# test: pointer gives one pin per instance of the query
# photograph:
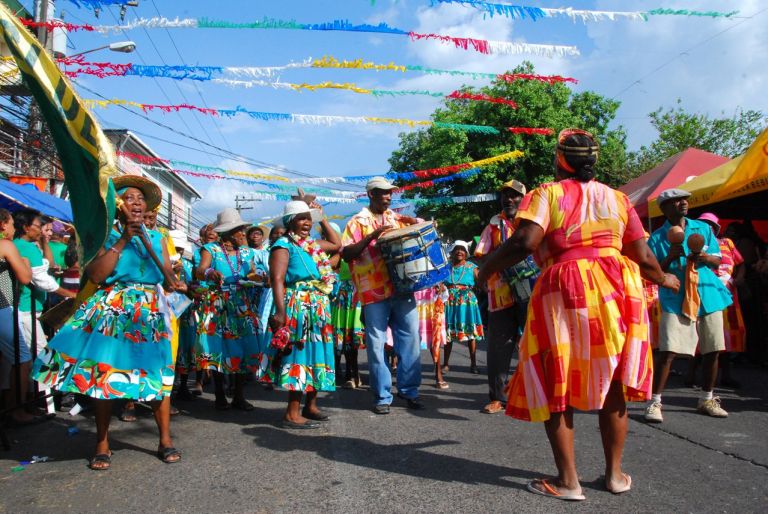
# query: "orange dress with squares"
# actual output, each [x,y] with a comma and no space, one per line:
[587,318]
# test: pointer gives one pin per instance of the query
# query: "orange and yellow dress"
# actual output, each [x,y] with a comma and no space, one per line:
[587,318]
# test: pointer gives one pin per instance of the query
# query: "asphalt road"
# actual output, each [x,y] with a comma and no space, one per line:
[448,458]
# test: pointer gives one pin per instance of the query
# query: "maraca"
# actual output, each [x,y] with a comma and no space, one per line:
[675,235]
[695,243]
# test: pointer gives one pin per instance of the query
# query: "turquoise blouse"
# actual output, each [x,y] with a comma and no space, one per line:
[301,267]
[232,267]
[135,266]
[463,275]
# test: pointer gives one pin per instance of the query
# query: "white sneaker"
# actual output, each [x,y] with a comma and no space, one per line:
[653,413]
[712,408]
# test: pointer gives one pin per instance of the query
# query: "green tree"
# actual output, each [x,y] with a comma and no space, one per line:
[539,105]
[679,130]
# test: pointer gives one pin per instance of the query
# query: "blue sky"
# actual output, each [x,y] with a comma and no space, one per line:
[716,68]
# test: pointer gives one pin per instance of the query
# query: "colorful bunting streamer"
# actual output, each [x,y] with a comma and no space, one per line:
[205,73]
[309,119]
[479,45]
[435,172]
[537,13]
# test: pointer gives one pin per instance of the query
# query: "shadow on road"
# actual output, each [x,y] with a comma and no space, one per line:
[411,459]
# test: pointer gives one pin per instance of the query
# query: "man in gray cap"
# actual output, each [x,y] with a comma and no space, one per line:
[381,308]
[693,315]
[506,318]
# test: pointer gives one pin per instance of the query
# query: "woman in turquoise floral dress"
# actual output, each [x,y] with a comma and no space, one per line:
[117,345]
[302,278]
[462,314]
[226,341]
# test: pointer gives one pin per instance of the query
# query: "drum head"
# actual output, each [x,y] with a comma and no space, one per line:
[405,231]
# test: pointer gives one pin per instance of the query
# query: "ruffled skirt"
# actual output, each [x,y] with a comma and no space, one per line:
[462,314]
[346,310]
[587,326]
[311,368]
[226,333]
[117,345]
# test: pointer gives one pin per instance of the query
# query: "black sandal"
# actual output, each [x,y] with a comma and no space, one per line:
[241,405]
[100,461]
[221,404]
[166,455]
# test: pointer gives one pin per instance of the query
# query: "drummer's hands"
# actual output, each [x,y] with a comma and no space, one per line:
[379,231]
[409,220]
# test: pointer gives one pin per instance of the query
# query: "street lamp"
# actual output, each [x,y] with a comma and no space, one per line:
[125,47]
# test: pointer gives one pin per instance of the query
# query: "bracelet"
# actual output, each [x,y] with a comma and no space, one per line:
[209,270]
[113,249]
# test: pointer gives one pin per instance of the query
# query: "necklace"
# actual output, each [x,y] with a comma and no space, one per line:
[235,272]
[463,269]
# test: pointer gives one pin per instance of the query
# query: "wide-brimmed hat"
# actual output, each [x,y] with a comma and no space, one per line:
[228,220]
[379,183]
[296,207]
[514,185]
[460,244]
[180,240]
[152,194]
[712,219]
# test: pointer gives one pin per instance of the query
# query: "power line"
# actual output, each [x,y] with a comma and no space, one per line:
[197,87]
[232,155]
[685,52]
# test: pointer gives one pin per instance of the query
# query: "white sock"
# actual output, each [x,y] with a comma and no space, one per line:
[706,395]
[656,398]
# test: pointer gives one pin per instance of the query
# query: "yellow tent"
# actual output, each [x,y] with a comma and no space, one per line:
[751,175]
[703,187]
[743,176]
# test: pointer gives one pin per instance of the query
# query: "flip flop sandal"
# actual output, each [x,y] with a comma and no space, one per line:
[623,489]
[493,408]
[128,415]
[167,455]
[100,461]
[442,385]
[548,490]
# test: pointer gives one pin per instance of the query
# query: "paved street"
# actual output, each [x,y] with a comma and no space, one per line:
[449,458]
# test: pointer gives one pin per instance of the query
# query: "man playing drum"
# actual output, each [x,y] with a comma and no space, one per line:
[381,308]
[506,318]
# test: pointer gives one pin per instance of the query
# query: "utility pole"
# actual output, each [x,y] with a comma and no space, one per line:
[242,200]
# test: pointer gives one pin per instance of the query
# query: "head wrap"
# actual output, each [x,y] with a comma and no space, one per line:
[562,150]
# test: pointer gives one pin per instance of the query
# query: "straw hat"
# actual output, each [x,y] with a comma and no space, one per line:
[152,194]
[228,220]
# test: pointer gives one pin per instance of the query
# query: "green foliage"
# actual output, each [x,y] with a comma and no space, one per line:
[539,105]
[679,130]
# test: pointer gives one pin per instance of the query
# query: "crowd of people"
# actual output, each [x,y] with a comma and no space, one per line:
[566,272]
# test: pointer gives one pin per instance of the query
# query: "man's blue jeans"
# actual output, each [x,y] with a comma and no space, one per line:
[401,315]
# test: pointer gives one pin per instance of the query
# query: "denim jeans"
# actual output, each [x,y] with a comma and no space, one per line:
[401,315]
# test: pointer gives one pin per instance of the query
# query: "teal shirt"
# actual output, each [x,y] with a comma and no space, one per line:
[232,267]
[58,249]
[135,266]
[463,275]
[34,255]
[714,296]
[301,267]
